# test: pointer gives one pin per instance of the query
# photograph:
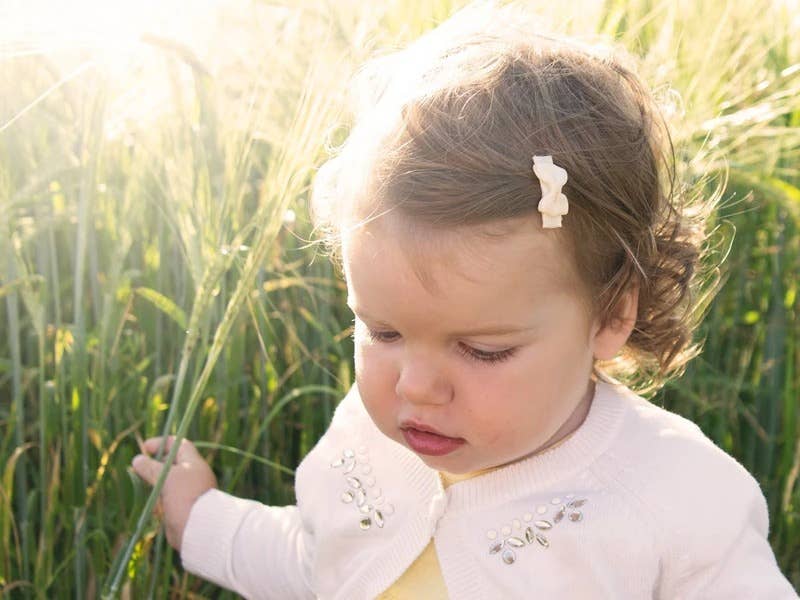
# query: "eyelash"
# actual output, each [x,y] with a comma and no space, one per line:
[472,353]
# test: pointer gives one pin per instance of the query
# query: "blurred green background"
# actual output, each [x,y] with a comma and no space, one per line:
[155,165]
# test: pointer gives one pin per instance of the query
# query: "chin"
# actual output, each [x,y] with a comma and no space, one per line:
[448,464]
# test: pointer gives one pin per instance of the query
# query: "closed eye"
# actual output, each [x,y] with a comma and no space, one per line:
[382,336]
[468,351]
[483,356]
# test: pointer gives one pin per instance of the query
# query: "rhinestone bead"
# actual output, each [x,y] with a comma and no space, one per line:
[354,482]
[508,544]
[337,463]
[349,453]
[379,518]
[365,523]
[348,468]
[347,497]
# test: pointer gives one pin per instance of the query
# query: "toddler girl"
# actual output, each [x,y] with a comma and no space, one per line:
[512,241]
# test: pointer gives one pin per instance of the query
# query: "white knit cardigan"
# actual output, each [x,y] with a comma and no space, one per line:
[637,503]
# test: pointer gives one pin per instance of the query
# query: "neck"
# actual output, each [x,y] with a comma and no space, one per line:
[573,422]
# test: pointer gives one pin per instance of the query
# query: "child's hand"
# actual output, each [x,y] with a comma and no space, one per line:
[188,479]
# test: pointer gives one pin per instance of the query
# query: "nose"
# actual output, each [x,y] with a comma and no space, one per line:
[421,382]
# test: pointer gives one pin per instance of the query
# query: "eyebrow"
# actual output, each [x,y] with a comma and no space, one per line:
[488,330]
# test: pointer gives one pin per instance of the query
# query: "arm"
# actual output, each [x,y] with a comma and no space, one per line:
[256,550]
[730,559]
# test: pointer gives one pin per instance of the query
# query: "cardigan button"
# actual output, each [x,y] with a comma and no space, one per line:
[437,506]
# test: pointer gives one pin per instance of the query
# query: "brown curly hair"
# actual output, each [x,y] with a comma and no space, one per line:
[445,137]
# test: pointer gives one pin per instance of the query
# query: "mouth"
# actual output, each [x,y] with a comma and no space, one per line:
[426,440]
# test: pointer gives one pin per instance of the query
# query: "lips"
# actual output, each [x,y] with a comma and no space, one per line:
[424,439]
[411,424]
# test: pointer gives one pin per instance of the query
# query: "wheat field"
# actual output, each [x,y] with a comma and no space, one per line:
[156,270]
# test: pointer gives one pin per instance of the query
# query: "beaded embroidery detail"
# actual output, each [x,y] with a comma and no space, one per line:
[533,533]
[361,490]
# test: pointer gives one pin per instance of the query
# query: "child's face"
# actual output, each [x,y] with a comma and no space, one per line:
[420,362]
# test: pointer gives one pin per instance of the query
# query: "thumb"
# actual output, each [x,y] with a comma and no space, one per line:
[146,468]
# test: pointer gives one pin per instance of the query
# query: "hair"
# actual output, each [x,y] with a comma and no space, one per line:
[444,137]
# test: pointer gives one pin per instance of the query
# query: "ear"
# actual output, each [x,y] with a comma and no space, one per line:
[609,339]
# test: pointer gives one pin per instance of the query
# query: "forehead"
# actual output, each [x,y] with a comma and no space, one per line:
[499,271]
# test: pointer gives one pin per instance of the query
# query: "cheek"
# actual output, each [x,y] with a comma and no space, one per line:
[519,397]
[492,405]
[375,377]
[372,361]
[376,386]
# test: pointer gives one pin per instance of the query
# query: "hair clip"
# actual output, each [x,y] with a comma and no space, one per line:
[552,178]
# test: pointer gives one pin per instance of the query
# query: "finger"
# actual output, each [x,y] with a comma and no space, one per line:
[186,453]
[151,445]
[146,468]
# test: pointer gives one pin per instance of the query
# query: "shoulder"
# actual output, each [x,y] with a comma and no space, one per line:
[667,454]
[698,498]
[350,411]
[344,445]
[349,421]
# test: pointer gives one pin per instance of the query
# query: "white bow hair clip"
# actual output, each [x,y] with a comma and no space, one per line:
[552,178]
